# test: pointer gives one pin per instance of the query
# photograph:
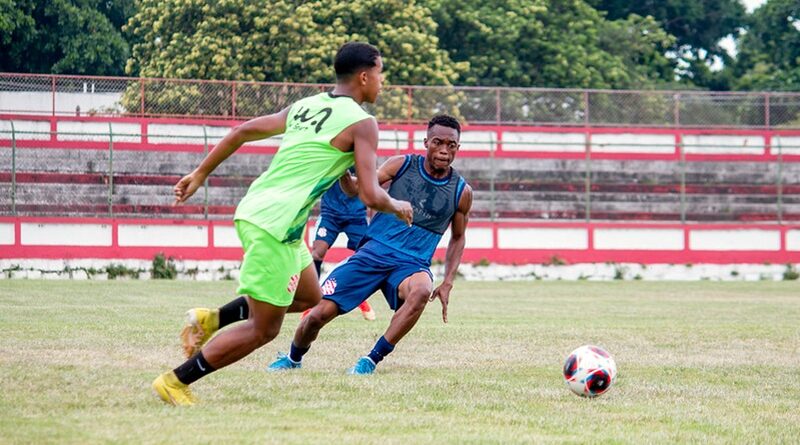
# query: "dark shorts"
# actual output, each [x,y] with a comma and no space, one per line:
[329,227]
[373,267]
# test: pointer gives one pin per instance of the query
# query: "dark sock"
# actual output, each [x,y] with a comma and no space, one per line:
[318,266]
[234,311]
[382,349]
[296,354]
[193,369]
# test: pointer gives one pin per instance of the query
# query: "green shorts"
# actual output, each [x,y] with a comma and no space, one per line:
[270,269]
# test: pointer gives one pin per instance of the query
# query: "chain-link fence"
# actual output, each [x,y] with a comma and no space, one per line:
[107,96]
[105,168]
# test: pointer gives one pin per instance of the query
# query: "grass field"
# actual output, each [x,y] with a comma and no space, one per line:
[698,362]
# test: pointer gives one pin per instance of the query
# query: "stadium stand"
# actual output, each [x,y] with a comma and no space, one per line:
[71,177]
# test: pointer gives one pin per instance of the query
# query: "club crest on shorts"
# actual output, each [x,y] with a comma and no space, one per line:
[292,286]
[322,232]
[329,286]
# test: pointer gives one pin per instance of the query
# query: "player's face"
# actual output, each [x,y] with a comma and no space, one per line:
[373,80]
[442,144]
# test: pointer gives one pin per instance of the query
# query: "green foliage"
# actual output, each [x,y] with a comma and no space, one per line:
[483,262]
[164,268]
[548,43]
[520,43]
[61,36]
[790,274]
[282,40]
[695,24]
[697,27]
[769,53]
[119,270]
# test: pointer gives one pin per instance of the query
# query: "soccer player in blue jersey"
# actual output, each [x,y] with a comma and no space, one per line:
[395,257]
[339,213]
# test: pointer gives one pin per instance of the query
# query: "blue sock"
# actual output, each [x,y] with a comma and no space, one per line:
[382,349]
[296,354]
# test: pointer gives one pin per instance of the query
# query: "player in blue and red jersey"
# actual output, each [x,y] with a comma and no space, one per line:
[339,213]
[395,257]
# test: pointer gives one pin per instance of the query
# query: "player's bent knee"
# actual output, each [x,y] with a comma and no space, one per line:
[316,321]
[321,315]
[263,332]
[417,299]
[265,335]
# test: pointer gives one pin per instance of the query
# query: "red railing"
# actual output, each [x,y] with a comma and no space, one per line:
[101,166]
[497,242]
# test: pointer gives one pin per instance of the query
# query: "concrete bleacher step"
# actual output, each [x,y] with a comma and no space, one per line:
[75,181]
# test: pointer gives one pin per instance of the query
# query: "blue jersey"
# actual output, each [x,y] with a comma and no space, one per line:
[434,201]
[335,202]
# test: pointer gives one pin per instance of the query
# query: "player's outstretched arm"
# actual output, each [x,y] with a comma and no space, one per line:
[252,130]
[458,229]
[365,146]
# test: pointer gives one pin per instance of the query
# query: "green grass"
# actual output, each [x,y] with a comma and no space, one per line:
[698,362]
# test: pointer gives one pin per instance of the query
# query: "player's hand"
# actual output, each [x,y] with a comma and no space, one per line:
[443,294]
[187,186]
[404,211]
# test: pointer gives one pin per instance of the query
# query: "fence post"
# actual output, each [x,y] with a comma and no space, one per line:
[53,91]
[497,104]
[766,110]
[586,117]
[110,171]
[205,183]
[779,188]
[588,178]
[410,110]
[141,96]
[682,166]
[13,169]
[233,99]
[676,110]
[492,192]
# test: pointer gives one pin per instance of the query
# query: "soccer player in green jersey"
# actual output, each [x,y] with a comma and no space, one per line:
[323,135]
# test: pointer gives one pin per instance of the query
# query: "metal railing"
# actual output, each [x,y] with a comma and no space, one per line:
[96,175]
[61,95]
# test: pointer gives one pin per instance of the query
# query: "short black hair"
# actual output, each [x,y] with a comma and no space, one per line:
[353,57]
[445,121]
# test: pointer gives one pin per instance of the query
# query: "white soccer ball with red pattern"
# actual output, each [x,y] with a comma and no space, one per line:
[590,371]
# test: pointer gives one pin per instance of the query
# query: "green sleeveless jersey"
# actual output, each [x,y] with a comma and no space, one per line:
[305,166]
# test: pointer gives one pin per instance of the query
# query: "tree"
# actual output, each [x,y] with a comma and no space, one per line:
[279,40]
[61,36]
[698,27]
[769,52]
[549,43]
[282,40]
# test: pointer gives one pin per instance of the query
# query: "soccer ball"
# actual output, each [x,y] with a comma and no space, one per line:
[589,371]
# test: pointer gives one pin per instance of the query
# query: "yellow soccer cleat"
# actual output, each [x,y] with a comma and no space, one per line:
[172,391]
[201,324]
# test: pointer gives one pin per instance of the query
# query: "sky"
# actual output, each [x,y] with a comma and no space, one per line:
[750,5]
[727,43]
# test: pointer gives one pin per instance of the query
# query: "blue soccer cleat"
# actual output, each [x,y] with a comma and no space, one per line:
[364,365]
[283,363]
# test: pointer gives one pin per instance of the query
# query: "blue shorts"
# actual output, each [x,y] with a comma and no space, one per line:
[374,266]
[329,227]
